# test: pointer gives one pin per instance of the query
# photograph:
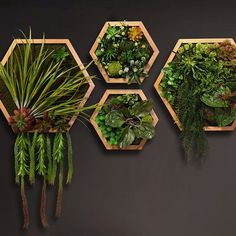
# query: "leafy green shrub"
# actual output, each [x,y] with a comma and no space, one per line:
[200,84]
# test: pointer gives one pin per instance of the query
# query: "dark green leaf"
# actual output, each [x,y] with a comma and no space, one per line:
[223,117]
[141,108]
[144,131]
[125,111]
[115,101]
[215,99]
[231,85]
[147,118]
[126,138]
[115,119]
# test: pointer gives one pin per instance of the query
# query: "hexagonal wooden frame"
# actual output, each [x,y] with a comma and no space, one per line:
[171,57]
[102,33]
[103,100]
[73,53]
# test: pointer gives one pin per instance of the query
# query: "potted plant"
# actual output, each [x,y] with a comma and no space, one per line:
[124,52]
[198,87]
[43,88]
[124,119]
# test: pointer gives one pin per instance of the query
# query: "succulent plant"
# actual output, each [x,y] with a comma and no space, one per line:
[135,33]
[114,68]
[22,120]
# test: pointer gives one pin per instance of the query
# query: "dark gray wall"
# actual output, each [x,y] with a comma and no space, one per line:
[148,193]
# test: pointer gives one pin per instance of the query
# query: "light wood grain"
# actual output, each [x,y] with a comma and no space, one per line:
[102,101]
[73,53]
[102,70]
[160,77]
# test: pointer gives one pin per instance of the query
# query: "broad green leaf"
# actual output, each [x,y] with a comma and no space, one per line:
[215,99]
[224,117]
[141,108]
[144,131]
[125,111]
[115,119]
[127,137]
[147,118]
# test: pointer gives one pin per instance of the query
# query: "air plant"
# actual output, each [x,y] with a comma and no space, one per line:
[47,93]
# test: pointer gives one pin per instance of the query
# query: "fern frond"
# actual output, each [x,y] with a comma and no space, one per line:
[41,165]
[69,157]
[16,150]
[58,148]
[22,155]
[190,113]
[32,157]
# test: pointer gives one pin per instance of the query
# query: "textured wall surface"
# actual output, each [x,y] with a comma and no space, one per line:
[148,193]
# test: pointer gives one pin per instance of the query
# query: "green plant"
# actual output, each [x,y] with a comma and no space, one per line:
[47,88]
[127,47]
[114,68]
[125,120]
[200,85]
[60,54]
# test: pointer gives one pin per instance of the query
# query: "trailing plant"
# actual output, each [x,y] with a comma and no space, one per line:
[124,52]
[47,87]
[200,84]
[125,120]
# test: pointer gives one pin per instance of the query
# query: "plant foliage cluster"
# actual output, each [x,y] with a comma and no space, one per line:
[125,120]
[47,88]
[124,52]
[200,84]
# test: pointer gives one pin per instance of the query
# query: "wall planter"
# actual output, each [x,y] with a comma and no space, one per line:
[43,88]
[209,65]
[69,49]
[124,52]
[112,119]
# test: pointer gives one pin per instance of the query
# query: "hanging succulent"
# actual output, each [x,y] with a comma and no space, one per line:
[47,94]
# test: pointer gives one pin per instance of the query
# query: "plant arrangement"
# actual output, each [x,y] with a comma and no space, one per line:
[43,88]
[124,52]
[126,120]
[200,85]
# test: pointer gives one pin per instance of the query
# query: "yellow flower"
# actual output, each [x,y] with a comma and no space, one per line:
[135,33]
